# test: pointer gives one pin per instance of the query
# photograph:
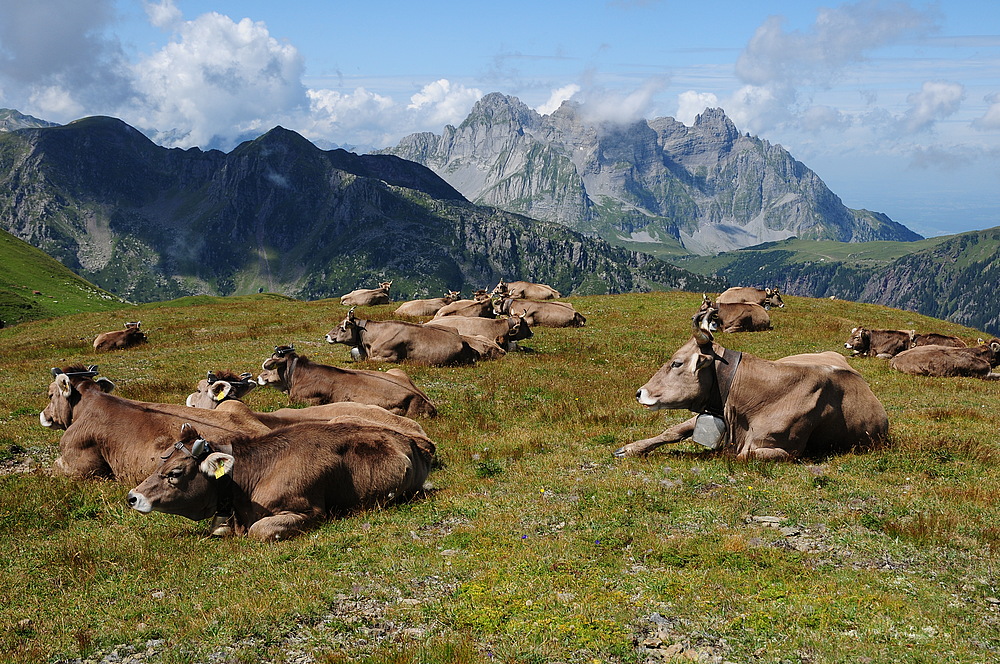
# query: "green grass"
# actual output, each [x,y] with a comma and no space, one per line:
[534,544]
[34,285]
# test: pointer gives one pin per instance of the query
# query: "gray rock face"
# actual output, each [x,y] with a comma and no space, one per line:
[707,186]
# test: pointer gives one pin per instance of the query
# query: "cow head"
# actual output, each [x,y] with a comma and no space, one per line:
[451,296]
[273,373]
[219,387]
[348,332]
[686,380]
[860,341]
[187,481]
[517,328]
[772,298]
[385,286]
[502,289]
[65,393]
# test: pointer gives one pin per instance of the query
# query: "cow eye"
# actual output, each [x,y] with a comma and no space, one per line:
[676,364]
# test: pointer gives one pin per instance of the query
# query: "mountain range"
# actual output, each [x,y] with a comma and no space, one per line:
[278,214]
[658,185]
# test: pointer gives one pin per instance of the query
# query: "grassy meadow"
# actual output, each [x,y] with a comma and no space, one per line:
[532,543]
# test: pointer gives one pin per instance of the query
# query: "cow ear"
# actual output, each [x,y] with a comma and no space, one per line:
[220,389]
[106,385]
[702,362]
[217,464]
[65,387]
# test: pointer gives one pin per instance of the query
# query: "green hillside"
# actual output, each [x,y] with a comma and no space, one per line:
[33,285]
[857,254]
[533,543]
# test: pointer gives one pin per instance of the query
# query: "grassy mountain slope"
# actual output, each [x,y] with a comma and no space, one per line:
[34,285]
[534,544]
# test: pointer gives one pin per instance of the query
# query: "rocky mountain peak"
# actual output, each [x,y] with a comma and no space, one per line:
[707,187]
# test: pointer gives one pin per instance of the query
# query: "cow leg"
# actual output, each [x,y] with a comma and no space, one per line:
[280,526]
[674,434]
[86,463]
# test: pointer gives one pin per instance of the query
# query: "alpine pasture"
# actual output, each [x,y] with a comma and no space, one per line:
[531,543]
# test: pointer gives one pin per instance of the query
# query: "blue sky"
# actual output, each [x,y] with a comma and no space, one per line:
[896,105]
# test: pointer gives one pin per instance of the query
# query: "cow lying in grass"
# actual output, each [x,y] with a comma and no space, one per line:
[108,436]
[506,331]
[525,290]
[542,314]
[427,307]
[228,400]
[738,316]
[280,483]
[765,297]
[306,381]
[400,341]
[812,404]
[120,339]
[949,361]
[365,297]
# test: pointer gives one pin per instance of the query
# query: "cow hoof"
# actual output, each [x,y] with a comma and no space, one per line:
[221,526]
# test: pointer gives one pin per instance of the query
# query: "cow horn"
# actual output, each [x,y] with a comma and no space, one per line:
[210,377]
[701,332]
[198,447]
[56,371]
[246,376]
[350,314]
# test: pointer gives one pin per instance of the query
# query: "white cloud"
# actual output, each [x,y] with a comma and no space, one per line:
[936,101]
[601,105]
[990,121]
[781,67]
[219,79]
[839,36]
[442,102]
[557,97]
[56,57]
[163,14]
[690,104]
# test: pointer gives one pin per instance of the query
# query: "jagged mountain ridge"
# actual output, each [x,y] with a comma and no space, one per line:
[279,214]
[708,186]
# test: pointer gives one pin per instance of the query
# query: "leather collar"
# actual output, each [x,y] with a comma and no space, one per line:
[725,371]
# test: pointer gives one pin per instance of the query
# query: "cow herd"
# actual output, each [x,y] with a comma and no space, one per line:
[930,354]
[357,443]
[271,474]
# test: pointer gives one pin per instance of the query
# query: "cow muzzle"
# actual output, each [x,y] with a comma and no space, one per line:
[138,502]
[645,399]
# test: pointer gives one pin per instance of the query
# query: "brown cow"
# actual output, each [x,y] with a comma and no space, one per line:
[365,297]
[399,341]
[949,361]
[543,314]
[221,386]
[879,343]
[757,409]
[935,339]
[507,331]
[765,297]
[525,290]
[120,339]
[480,307]
[738,317]
[281,482]
[109,436]
[426,307]
[313,383]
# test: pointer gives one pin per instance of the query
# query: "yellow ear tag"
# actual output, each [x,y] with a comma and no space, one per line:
[220,471]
